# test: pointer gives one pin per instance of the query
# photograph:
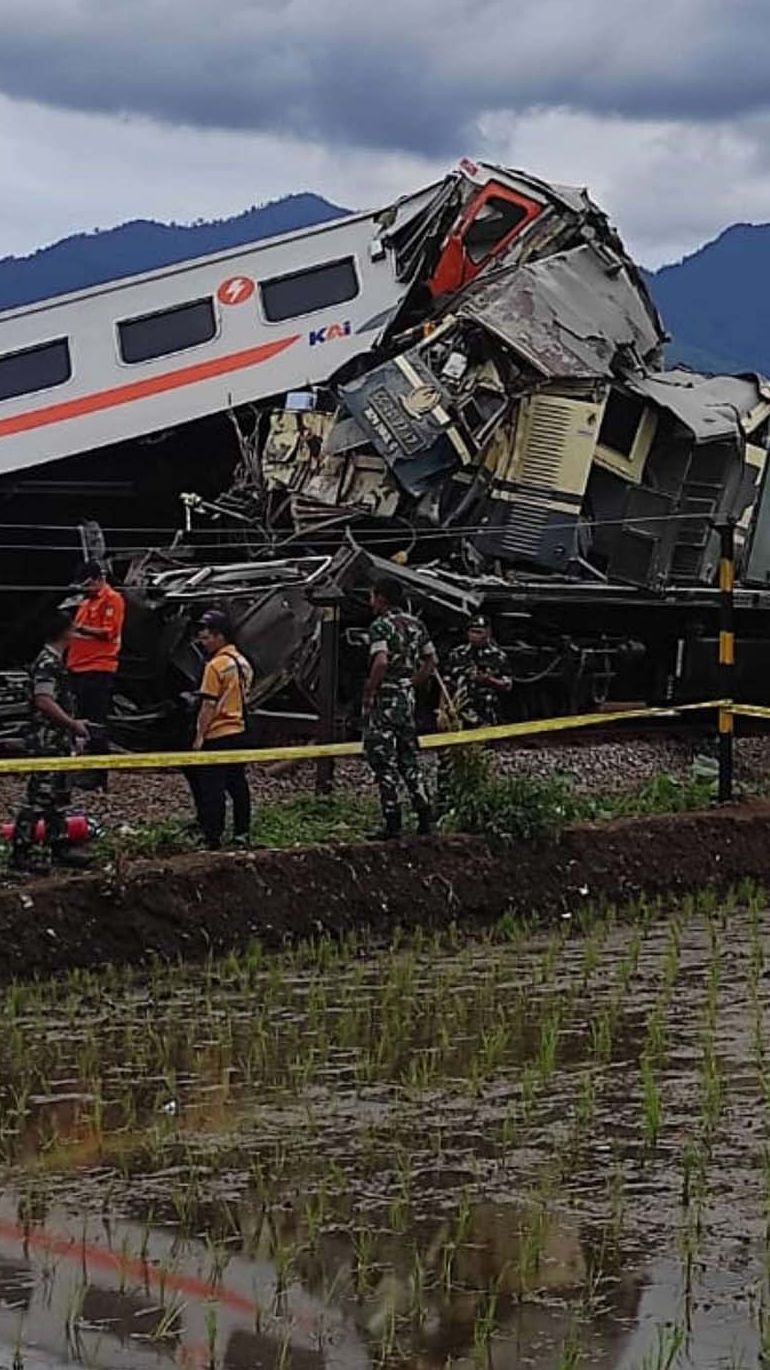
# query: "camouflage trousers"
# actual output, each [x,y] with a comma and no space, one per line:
[390,747]
[48,795]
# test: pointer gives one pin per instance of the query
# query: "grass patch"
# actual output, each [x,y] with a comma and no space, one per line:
[306,820]
[662,794]
[312,819]
[505,807]
[528,808]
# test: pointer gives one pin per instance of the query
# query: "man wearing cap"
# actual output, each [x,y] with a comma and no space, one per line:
[221,726]
[93,657]
[477,675]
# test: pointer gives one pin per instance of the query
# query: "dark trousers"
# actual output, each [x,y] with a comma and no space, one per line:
[47,797]
[211,784]
[93,692]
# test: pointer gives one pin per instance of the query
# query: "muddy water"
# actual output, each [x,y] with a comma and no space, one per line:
[536,1149]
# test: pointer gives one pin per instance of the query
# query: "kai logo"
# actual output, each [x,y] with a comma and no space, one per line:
[331,332]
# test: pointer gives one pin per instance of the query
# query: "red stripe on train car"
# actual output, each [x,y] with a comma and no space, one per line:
[140,390]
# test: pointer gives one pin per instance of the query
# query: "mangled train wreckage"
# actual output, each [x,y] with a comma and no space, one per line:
[466,388]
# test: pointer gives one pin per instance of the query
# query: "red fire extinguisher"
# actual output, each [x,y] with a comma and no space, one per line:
[79,828]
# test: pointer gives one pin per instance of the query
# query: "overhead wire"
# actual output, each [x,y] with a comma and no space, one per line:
[371,537]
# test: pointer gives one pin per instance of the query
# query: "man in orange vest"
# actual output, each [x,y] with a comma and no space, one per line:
[93,659]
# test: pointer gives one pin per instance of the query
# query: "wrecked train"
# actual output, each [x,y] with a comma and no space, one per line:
[467,386]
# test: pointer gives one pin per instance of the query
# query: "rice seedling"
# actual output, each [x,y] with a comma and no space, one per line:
[670,1341]
[761,1313]
[167,1326]
[418,1287]
[533,1231]
[689,1243]
[712,1089]
[73,1315]
[388,1337]
[510,1128]
[570,1353]
[652,1105]
[618,1204]
[364,1249]
[600,1034]
[484,1327]
[528,1088]
[284,1351]
[211,1318]
[548,1044]
[656,1043]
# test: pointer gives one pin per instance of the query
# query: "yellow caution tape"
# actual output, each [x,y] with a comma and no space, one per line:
[554,725]
[158,761]
[750,710]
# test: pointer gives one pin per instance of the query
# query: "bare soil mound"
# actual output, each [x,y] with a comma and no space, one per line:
[186,906]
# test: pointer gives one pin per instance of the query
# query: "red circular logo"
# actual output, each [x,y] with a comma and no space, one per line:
[236,290]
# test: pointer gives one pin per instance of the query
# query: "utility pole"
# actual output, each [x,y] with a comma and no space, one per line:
[328,601]
[726,657]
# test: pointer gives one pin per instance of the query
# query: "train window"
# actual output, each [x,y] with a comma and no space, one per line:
[494,221]
[34,368]
[621,422]
[166,331]
[306,292]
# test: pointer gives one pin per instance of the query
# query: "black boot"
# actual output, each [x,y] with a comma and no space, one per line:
[29,863]
[425,824]
[391,828]
[72,857]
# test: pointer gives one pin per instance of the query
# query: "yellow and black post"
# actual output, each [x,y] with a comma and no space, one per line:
[726,658]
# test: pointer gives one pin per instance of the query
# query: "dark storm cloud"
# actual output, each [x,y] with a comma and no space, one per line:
[406,74]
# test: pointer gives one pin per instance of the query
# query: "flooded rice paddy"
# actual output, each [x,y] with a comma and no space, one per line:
[542,1149]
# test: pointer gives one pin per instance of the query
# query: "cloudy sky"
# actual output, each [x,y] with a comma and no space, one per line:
[184,109]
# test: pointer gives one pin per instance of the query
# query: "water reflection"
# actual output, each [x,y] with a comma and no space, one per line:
[120,1294]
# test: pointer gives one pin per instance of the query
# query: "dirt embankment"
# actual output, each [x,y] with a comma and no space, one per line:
[188,905]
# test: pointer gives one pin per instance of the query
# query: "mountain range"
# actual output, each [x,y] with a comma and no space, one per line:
[144,245]
[715,302]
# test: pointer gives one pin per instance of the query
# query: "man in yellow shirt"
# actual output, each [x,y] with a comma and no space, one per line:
[221,726]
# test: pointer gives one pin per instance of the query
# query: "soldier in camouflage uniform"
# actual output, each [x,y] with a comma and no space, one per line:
[54,729]
[401,657]
[477,674]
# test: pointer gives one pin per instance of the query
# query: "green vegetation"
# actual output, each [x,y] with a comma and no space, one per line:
[531,808]
[499,807]
[305,820]
[505,807]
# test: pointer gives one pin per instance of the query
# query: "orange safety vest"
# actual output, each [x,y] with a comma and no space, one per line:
[106,610]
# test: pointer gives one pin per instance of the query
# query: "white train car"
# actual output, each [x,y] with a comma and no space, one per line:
[148,353]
